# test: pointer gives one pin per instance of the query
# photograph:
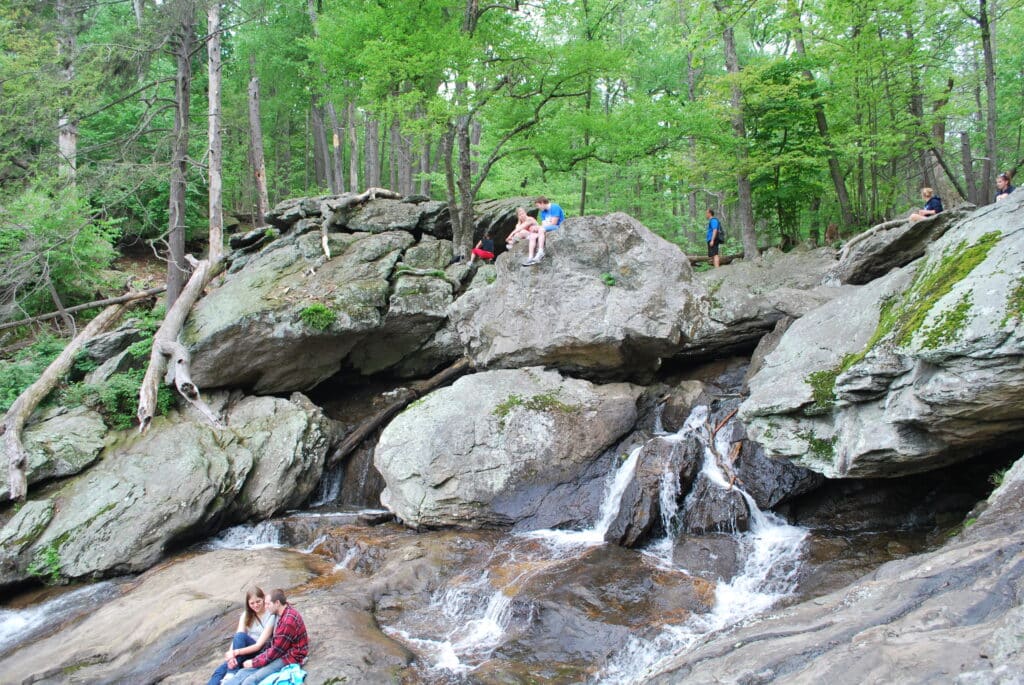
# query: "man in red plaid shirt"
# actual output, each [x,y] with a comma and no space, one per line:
[290,644]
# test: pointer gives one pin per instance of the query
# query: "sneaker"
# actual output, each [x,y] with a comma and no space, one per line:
[540,256]
[508,246]
[530,262]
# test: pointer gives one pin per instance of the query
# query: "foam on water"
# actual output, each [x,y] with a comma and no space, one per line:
[263,535]
[18,626]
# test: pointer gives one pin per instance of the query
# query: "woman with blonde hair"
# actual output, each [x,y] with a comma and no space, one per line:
[255,627]
[932,205]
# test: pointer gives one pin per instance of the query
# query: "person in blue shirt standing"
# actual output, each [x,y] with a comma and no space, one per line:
[712,237]
[551,217]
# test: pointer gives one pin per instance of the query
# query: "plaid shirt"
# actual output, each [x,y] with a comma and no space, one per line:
[290,642]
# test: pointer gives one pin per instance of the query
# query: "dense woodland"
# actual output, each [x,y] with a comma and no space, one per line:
[125,123]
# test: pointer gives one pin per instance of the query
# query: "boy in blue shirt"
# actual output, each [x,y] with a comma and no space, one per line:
[712,237]
[551,217]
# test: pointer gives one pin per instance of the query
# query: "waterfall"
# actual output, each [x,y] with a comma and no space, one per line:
[262,535]
[771,550]
[329,487]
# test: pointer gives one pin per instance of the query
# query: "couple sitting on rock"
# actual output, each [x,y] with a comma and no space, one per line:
[270,641]
[551,217]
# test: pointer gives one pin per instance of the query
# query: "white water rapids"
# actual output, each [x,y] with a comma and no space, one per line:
[471,619]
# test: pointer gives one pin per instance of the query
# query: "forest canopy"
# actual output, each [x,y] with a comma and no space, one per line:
[785,117]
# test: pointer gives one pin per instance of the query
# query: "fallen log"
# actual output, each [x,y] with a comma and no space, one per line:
[21,410]
[415,391]
[723,259]
[128,297]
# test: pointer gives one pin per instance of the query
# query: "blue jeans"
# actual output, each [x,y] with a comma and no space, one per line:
[239,641]
[252,676]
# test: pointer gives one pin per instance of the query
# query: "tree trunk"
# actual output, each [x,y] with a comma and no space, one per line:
[425,167]
[181,48]
[968,162]
[393,145]
[745,205]
[372,151]
[21,410]
[462,239]
[337,150]
[69,15]
[321,157]
[991,163]
[259,167]
[213,134]
[446,151]
[138,7]
[353,147]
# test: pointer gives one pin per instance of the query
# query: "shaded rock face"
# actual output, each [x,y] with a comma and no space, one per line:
[564,313]
[913,371]
[498,447]
[951,615]
[122,514]
[746,299]
[885,247]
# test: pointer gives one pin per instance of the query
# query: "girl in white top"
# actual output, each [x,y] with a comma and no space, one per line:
[255,628]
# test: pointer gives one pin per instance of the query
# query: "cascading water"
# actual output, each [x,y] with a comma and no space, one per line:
[18,626]
[262,535]
[771,550]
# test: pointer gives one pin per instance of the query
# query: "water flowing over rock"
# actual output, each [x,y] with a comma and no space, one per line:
[179,480]
[610,298]
[913,371]
[948,616]
[517,447]
[890,245]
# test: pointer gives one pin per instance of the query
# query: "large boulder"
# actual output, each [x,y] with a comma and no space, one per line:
[913,371]
[889,245]
[610,298]
[285,321]
[953,615]
[747,298]
[180,480]
[504,448]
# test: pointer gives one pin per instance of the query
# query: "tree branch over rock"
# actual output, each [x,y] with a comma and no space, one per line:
[169,359]
[21,410]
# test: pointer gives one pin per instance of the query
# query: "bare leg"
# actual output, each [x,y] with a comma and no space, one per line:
[533,244]
[716,261]
[540,241]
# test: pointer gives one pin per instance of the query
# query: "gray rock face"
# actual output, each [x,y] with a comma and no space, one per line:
[121,514]
[948,616]
[495,447]
[564,313]
[746,299]
[876,252]
[61,443]
[913,371]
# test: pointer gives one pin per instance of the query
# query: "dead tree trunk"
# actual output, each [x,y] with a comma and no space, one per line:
[182,45]
[259,167]
[167,349]
[21,410]
[213,134]
[353,148]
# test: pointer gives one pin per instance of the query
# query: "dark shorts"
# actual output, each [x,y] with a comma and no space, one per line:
[483,254]
[713,249]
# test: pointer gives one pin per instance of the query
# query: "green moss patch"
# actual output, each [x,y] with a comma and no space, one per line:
[902,316]
[318,316]
[546,402]
[820,448]
[1015,303]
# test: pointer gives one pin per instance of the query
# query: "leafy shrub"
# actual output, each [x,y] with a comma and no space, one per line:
[27,365]
[52,237]
[46,565]
[318,316]
[609,279]
[117,399]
